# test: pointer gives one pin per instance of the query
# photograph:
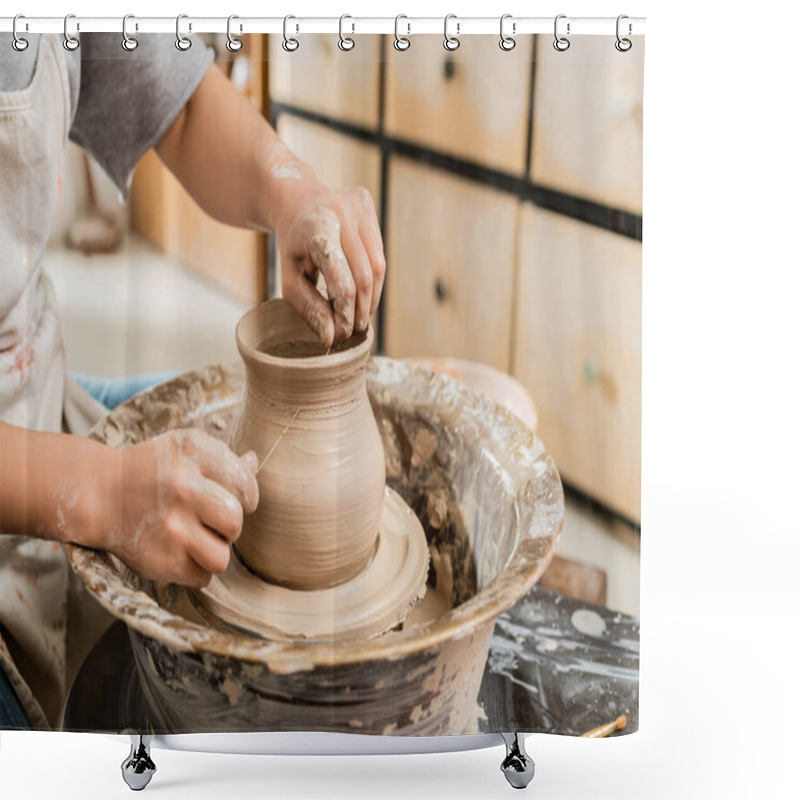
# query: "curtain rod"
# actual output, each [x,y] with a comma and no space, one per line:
[350,25]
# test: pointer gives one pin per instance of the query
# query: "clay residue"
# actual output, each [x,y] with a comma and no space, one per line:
[437,508]
[288,170]
[199,399]
[232,690]
[589,622]
[442,564]
[320,228]
[423,448]
[431,607]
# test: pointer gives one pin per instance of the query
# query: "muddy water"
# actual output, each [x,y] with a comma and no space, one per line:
[306,349]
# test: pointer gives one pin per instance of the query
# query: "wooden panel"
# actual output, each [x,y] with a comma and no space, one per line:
[449,266]
[578,351]
[472,103]
[587,134]
[153,197]
[161,210]
[320,77]
[581,581]
[337,159]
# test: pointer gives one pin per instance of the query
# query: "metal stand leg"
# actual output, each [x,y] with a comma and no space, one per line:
[138,768]
[517,766]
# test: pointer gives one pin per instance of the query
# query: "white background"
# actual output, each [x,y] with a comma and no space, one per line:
[720,599]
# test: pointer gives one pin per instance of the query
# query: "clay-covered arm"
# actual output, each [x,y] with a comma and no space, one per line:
[168,507]
[234,165]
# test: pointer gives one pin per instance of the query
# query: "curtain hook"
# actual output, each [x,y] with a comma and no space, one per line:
[401,43]
[561,43]
[345,42]
[451,42]
[71,43]
[129,42]
[18,43]
[290,44]
[507,42]
[623,45]
[182,42]
[233,44]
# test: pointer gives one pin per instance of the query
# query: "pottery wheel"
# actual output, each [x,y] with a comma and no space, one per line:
[375,601]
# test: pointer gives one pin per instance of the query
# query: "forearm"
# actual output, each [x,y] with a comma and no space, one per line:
[230,160]
[55,486]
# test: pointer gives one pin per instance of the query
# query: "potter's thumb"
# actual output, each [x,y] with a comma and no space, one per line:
[250,461]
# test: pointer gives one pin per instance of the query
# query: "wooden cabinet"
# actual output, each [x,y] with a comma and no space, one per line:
[472,103]
[587,121]
[337,159]
[475,270]
[163,212]
[232,258]
[450,263]
[577,349]
[320,77]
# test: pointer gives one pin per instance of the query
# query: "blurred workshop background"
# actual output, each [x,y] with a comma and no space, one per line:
[512,223]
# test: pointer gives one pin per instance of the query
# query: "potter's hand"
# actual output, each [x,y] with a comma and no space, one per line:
[181,499]
[236,168]
[334,233]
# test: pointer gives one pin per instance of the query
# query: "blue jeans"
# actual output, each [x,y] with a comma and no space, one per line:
[110,392]
[113,391]
[11,714]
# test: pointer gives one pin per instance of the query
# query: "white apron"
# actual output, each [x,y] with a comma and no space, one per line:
[34,574]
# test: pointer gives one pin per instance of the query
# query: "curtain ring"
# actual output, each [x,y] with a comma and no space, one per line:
[233,44]
[507,42]
[623,45]
[289,44]
[561,43]
[401,43]
[128,42]
[345,42]
[18,43]
[71,43]
[183,43]
[451,42]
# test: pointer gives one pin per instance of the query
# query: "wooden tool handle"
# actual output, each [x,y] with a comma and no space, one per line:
[604,730]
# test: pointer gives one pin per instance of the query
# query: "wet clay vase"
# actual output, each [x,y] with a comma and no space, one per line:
[322,471]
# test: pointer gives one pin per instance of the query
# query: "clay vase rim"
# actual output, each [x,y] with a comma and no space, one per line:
[250,353]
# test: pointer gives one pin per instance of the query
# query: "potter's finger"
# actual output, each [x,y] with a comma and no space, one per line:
[220,464]
[250,461]
[207,550]
[370,232]
[303,296]
[326,253]
[190,573]
[181,568]
[219,510]
[362,275]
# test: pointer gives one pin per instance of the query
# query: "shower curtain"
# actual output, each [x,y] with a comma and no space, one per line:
[506,185]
